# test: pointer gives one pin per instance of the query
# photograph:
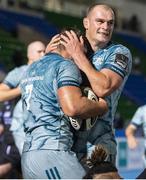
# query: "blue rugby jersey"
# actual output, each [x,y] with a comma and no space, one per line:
[46,126]
[13,78]
[139,119]
[117,58]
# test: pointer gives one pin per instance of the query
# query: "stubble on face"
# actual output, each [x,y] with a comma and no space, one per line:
[100,24]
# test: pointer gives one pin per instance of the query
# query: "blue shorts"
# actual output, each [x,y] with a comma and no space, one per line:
[51,164]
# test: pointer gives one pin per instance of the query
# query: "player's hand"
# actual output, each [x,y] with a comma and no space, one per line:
[75,47]
[72,43]
[53,43]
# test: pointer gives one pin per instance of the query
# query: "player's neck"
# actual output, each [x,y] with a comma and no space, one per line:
[62,53]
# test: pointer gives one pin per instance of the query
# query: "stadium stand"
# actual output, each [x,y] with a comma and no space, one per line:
[38,23]
[133,39]
[135,89]
[136,85]
[9,45]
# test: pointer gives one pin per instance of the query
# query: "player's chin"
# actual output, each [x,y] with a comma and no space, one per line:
[102,38]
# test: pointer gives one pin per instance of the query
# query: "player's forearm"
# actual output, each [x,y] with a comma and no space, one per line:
[75,103]
[129,132]
[100,83]
[86,108]
[9,94]
[131,139]
[130,135]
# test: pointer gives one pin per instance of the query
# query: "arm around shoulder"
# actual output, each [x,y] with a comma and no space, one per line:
[74,104]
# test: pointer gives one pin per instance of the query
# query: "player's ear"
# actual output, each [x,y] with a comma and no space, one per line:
[86,23]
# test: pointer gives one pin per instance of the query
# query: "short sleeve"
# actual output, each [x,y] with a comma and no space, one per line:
[68,75]
[137,119]
[14,77]
[120,61]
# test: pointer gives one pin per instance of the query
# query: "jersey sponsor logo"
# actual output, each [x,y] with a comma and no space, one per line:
[121,60]
[36,78]
[98,60]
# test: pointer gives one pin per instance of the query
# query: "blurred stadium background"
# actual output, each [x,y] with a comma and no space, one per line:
[22,21]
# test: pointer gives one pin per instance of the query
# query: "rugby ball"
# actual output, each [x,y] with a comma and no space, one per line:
[85,124]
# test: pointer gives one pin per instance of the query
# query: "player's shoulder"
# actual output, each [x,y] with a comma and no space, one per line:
[20,68]
[142,108]
[16,73]
[119,48]
[67,64]
[57,59]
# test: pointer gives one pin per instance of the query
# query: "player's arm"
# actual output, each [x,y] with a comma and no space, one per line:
[1,129]
[104,82]
[5,169]
[74,104]
[130,134]
[52,45]
[6,93]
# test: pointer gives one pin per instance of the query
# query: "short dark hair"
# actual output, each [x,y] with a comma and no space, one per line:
[77,31]
[97,163]
[89,9]
[102,167]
